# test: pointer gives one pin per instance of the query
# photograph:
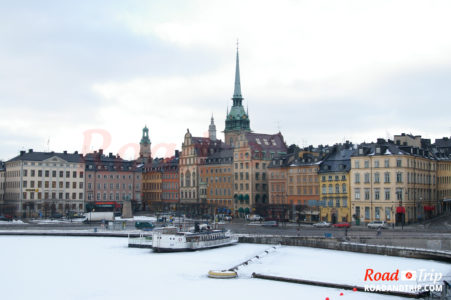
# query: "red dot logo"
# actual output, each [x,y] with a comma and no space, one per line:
[409,275]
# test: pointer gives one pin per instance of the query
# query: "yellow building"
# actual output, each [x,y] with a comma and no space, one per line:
[334,181]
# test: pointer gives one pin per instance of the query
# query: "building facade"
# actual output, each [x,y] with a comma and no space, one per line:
[109,178]
[153,185]
[44,184]
[2,186]
[335,203]
[170,188]
[392,183]
[217,178]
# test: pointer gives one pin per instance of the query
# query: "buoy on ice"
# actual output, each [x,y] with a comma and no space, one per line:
[225,274]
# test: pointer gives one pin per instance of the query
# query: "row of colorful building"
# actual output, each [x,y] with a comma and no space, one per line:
[406,179]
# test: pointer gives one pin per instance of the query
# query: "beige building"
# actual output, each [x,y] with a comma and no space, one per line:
[44,183]
[2,185]
[444,183]
[392,183]
[252,155]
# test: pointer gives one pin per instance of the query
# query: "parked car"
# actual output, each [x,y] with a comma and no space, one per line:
[144,225]
[270,224]
[342,225]
[6,218]
[254,218]
[56,216]
[377,224]
[322,224]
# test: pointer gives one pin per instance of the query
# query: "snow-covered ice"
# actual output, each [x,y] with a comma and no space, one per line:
[104,268]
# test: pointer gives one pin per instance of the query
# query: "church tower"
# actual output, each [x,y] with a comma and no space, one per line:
[237,119]
[144,146]
[212,130]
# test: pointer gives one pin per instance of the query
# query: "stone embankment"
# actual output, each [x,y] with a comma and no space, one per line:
[344,245]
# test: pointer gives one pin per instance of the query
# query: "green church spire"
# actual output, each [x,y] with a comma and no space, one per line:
[237,119]
[237,91]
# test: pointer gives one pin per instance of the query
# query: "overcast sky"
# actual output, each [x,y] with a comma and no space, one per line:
[321,72]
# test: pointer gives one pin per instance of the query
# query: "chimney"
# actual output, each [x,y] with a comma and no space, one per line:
[22,152]
[30,150]
[101,151]
[65,151]
[76,152]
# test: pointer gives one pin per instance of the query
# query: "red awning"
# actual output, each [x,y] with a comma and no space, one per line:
[400,210]
[429,208]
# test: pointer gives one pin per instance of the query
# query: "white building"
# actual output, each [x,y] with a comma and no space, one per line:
[44,183]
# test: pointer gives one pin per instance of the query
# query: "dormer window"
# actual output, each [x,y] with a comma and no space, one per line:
[258,141]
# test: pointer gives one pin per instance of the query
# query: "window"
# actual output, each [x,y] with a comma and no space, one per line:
[387,194]
[343,188]
[53,173]
[367,194]
[399,163]
[357,194]
[387,163]
[399,194]
[387,213]
[323,189]
[399,177]
[376,164]
[337,203]
[367,164]
[377,213]
[337,188]
[357,177]
[357,164]
[386,177]
[367,213]
[367,177]
[376,177]
[330,189]
[377,194]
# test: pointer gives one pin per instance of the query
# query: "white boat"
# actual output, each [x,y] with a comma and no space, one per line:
[170,239]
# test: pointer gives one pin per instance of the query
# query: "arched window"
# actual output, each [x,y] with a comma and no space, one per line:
[330,189]
[337,188]
[188,179]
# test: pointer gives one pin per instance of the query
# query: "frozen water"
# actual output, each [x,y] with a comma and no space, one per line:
[104,268]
